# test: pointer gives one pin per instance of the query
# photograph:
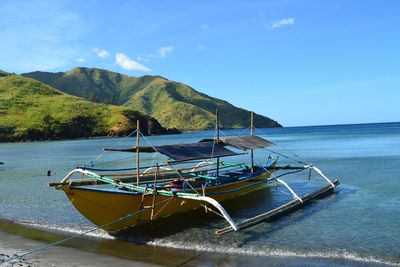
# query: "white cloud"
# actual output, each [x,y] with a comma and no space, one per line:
[282,22]
[79,59]
[129,64]
[101,52]
[162,52]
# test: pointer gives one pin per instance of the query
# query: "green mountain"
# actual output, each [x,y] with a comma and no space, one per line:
[173,104]
[31,110]
[3,73]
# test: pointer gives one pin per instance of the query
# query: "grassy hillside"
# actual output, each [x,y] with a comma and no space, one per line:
[173,104]
[180,106]
[31,110]
[93,84]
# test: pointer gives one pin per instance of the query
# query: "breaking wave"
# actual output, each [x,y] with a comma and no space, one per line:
[98,234]
[334,255]
[213,248]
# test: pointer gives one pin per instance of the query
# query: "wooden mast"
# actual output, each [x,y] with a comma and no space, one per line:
[252,133]
[217,137]
[137,151]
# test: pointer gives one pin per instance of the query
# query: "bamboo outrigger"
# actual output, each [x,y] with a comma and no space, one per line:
[115,201]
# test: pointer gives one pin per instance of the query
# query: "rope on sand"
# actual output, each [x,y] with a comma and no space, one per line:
[130,215]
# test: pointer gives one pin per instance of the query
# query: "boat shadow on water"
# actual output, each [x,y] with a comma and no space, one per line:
[194,219]
[288,219]
[240,208]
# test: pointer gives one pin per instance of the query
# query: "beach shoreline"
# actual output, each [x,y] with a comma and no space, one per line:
[17,239]
[13,245]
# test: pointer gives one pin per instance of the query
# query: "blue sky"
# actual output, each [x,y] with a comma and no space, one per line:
[301,62]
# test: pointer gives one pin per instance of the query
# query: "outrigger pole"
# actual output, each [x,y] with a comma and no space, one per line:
[217,137]
[252,133]
[137,151]
[296,203]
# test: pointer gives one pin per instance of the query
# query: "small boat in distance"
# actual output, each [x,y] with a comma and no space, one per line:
[193,177]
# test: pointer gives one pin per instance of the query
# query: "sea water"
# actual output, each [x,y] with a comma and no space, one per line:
[357,224]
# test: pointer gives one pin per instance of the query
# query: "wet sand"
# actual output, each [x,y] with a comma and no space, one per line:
[11,245]
[19,239]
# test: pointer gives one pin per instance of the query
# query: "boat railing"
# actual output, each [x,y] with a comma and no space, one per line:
[202,164]
[129,186]
[224,166]
[66,180]
[75,171]
[157,169]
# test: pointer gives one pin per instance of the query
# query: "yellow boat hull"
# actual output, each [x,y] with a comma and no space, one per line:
[105,207]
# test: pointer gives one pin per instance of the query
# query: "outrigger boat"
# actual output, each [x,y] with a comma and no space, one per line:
[115,201]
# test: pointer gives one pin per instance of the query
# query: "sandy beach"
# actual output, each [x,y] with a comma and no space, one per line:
[11,245]
[17,239]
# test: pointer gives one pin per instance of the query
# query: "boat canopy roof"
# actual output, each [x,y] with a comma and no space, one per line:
[244,143]
[205,149]
[185,152]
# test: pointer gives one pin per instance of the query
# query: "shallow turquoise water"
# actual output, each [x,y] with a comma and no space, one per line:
[360,221]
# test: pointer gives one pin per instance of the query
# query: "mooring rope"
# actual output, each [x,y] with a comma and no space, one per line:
[203,134]
[282,155]
[105,151]
[144,137]
[184,180]
[244,130]
[212,150]
[174,169]
[130,215]
[297,159]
